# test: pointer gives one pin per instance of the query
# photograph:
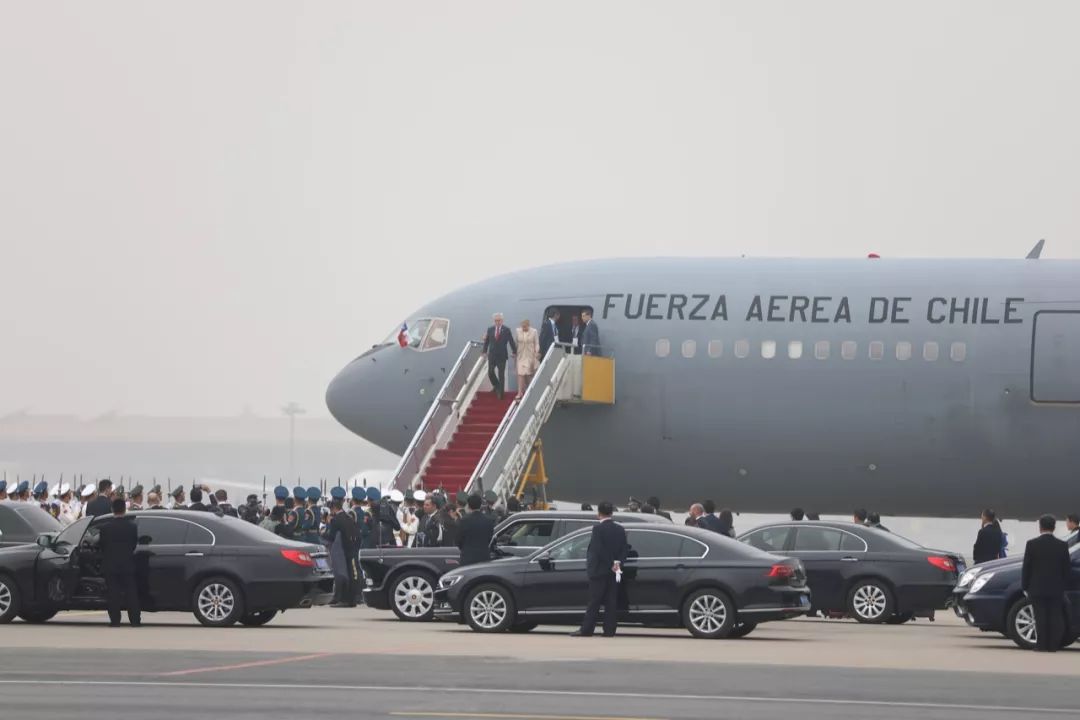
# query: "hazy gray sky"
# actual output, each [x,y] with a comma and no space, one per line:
[207,205]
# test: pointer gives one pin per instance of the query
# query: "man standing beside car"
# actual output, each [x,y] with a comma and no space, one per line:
[1044,579]
[605,557]
[119,538]
[474,534]
[988,542]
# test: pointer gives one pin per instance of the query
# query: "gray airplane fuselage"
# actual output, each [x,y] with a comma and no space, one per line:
[770,384]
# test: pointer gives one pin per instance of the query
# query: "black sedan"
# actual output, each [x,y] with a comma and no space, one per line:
[222,569]
[674,576]
[989,597]
[870,574]
[21,523]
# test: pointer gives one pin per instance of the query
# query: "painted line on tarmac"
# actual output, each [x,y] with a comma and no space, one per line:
[241,666]
[506,716]
[1016,710]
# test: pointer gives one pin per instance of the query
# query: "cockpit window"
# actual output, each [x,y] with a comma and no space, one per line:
[421,334]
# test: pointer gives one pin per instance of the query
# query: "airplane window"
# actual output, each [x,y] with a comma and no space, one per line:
[689,348]
[877,350]
[903,350]
[821,349]
[716,348]
[768,349]
[848,349]
[416,331]
[930,351]
[437,334]
[663,347]
[794,349]
[742,348]
[958,351]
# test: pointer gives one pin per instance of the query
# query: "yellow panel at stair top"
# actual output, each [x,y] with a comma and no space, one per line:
[598,379]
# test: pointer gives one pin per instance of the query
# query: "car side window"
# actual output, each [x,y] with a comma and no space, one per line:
[646,544]
[691,548]
[161,531]
[198,535]
[576,548]
[528,533]
[572,526]
[8,522]
[817,539]
[69,536]
[852,543]
[771,539]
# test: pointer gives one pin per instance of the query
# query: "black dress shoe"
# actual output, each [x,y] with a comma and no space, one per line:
[578,633]
[609,634]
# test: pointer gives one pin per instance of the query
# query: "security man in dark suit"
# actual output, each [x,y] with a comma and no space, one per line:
[496,340]
[606,555]
[119,539]
[475,531]
[100,505]
[1044,580]
[988,541]
[549,332]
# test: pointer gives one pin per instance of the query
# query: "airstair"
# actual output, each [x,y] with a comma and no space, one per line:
[474,441]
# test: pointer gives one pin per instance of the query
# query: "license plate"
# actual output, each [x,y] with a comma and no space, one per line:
[321,564]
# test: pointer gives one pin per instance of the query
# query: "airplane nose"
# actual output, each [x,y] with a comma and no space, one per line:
[345,398]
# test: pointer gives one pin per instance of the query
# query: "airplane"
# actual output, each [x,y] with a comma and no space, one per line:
[913,387]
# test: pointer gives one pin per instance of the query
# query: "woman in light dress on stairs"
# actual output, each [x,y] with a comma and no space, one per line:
[528,355]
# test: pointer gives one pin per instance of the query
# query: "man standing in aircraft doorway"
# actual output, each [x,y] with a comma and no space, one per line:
[590,335]
[495,342]
[549,333]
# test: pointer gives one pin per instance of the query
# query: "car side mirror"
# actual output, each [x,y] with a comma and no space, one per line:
[46,540]
[545,561]
[502,540]
[145,540]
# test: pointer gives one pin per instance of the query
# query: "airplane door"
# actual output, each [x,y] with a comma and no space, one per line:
[1055,357]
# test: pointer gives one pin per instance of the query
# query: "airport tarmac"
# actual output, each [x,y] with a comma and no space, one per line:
[370,665]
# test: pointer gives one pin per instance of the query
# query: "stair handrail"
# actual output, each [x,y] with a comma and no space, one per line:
[418,452]
[505,447]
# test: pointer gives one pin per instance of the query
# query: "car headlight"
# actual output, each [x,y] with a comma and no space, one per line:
[980,582]
[968,576]
[448,581]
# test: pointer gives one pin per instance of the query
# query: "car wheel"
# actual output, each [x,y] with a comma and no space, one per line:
[523,627]
[870,601]
[258,619]
[37,616]
[1020,624]
[9,599]
[742,629]
[217,602]
[900,618]
[709,614]
[489,608]
[413,597]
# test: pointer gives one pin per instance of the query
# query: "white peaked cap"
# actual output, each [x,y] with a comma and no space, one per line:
[420,496]
[397,496]
[87,491]
[63,489]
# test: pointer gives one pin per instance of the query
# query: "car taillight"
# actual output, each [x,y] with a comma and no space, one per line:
[781,571]
[942,563]
[298,556]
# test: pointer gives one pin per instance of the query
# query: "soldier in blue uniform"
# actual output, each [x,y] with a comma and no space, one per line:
[294,518]
[312,516]
[3,490]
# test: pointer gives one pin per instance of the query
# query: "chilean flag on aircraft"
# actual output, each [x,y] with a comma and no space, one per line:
[403,335]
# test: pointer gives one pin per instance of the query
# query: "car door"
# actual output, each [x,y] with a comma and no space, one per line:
[828,565]
[161,562]
[1073,594]
[556,581]
[654,570]
[56,571]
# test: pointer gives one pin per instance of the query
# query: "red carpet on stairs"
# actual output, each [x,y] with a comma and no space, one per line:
[452,467]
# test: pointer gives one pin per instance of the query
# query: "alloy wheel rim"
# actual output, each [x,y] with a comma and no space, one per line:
[5,598]
[414,596]
[216,602]
[708,614]
[870,601]
[488,609]
[1025,625]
